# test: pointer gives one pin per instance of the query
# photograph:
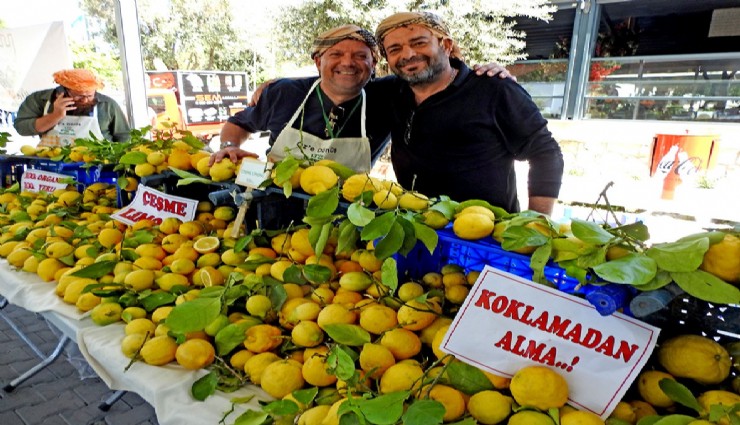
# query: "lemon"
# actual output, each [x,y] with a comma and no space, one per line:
[159,350]
[48,268]
[262,338]
[402,376]
[375,359]
[131,344]
[435,219]
[318,178]
[315,371]
[402,343]
[336,314]
[356,184]
[110,237]
[145,169]
[180,159]
[489,407]
[695,357]
[378,319]
[414,201]
[224,213]
[649,388]
[169,280]
[139,280]
[540,387]
[207,244]
[452,400]
[87,301]
[156,158]
[281,378]
[222,171]
[140,326]
[314,416]
[472,226]
[307,334]
[580,417]
[69,198]
[195,354]
[106,313]
[530,417]
[385,199]
[416,315]
[624,412]
[255,365]
[713,397]
[723,259]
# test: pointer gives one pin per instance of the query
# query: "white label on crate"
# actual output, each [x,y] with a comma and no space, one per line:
[34,180]
[253,172]
[156,206]
[508,322]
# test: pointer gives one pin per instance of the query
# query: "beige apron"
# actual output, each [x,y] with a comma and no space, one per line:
[352,152]
[71,128]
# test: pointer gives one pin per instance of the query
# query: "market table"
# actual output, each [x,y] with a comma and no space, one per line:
[166,388]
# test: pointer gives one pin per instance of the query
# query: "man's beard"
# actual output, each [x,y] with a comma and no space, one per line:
[435,66]
[83,109]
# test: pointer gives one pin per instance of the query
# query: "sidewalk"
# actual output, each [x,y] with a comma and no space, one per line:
[56,395]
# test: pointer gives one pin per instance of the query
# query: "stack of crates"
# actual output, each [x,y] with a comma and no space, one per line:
[81,172]
[12,168]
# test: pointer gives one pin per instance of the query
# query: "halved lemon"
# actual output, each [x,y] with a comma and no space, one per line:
[207,244]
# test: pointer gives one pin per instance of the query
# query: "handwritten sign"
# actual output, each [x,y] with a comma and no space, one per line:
[508,322]
[34,180]
[151,204]
[253,172]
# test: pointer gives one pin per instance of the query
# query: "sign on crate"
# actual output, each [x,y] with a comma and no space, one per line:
[34,180]
[508,322]
[252,172]
[151,204]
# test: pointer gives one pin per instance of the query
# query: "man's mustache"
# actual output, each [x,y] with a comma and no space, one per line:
[415,59]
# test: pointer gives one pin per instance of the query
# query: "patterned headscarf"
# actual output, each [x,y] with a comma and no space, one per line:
[345,32]
[78,79]
[434,23]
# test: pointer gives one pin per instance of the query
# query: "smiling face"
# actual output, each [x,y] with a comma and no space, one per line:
[345,68]
[416,55]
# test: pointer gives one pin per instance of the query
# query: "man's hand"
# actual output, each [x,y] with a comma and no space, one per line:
[61,105]
[491,69]
[234,154]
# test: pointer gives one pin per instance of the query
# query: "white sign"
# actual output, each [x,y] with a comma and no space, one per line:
[508,322]
[34,180]
[252,172]
[151,204]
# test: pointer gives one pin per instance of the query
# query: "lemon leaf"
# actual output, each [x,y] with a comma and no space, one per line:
[96,270]
[385,409]
[306,395]
[281,407]
[194,315]
[348,237]
[391,243]
[205,386]
[341,361]
[324,203]
[378,227]
[158,299]
[674,420]
[359,215]
[631,269]
[316,273]
[679,256]
[680,394]
[467,379]
[590,232]
[661,279]
[389,274]
[409,235]
[251,417]
[133,158]
[293,274]
[232,335]
[346,334]
[707,287]
[427,236]
[424,412]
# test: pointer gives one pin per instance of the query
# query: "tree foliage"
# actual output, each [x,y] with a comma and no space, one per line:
[484,29]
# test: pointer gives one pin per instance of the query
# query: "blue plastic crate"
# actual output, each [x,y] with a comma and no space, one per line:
[474,255]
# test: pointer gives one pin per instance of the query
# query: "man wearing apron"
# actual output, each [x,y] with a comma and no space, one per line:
[324,118]
[73,110]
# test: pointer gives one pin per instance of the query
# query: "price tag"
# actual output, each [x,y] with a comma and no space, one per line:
[34,180]
[508,322]
[253,172]
[151,204]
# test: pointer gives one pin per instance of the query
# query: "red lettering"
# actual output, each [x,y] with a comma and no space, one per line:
[626,350]
[27,185]
[592,338]
[533,350]
[162,204]
[485,299]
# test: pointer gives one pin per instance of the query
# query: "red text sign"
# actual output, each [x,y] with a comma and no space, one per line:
[34,180]
[508,322]
[150,204]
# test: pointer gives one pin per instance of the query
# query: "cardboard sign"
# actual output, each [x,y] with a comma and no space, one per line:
[508,322]
[253,172]
[34,180]
[154,205]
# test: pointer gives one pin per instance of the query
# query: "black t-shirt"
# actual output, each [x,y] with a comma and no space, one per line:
[281,99]
[463,141]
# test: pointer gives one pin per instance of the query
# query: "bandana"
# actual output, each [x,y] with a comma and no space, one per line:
[78,80]
[325,40]
[434,23]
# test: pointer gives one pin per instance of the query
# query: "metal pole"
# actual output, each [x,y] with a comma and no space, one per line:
[134,78]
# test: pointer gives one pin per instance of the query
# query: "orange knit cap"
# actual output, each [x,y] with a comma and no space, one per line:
[78,80]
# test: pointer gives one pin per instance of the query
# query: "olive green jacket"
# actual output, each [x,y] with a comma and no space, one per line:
[112,121]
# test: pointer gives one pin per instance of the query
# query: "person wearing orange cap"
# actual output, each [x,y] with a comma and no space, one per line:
[72,110]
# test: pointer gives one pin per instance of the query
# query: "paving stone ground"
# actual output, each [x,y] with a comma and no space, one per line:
[66,392]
